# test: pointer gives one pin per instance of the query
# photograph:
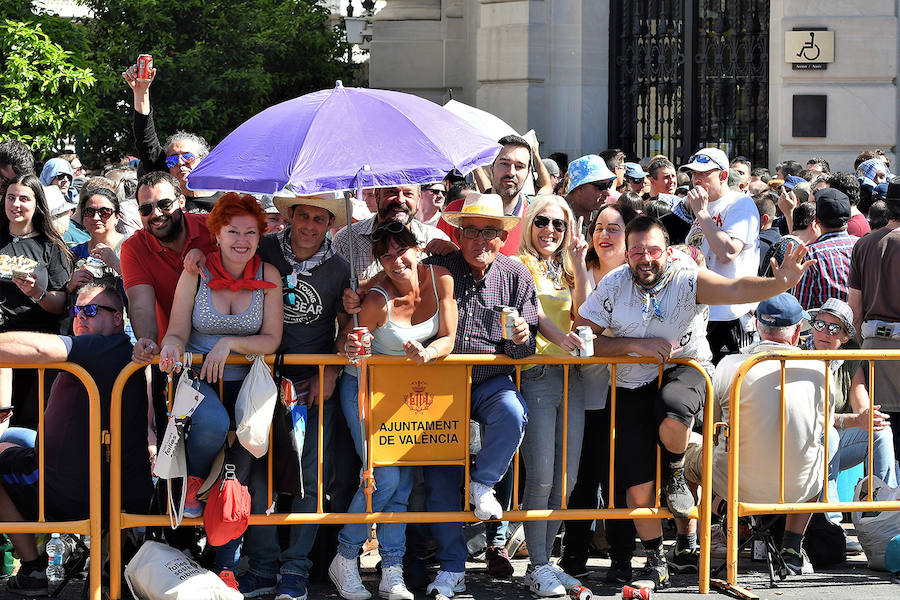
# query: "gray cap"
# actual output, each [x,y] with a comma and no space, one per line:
[551,165]
[839,310]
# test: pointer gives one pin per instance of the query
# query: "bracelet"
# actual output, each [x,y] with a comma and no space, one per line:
[39,298]
[841,418]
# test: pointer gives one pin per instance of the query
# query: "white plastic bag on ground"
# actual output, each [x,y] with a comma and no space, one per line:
[159,572]
[876,528]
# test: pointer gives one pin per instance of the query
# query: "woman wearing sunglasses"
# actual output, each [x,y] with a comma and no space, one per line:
[235,306]
[32,299]
[100,210]
[553,250]
[410,312]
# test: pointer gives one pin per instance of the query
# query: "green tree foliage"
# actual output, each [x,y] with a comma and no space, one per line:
[44,88]
[218,62]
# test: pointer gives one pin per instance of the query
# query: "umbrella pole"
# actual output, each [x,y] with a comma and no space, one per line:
[368,480]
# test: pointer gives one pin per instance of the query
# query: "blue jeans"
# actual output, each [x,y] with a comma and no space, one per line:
[261,541]
[849,447]
[393,485]
[495,531]
[209,426]
[20,436]
[497,404]
[543,447]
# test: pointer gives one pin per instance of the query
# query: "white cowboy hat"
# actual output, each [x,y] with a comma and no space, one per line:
[483,206]
[285,199]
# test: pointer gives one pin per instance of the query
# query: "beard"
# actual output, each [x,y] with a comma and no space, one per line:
[387,213]
[173,229]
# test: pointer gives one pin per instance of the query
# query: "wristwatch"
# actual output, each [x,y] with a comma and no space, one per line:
[39,298]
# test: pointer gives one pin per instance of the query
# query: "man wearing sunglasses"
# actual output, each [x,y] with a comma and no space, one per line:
[431,203]
[635,178]
[726,229]
[102,348]
[152,258]
[656,306]
[590,183]
[182,152]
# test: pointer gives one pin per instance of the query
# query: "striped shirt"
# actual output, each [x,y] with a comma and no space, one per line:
[507,282]
[828,277]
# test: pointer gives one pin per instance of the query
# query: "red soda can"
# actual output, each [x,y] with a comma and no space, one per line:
[144,66]
[580,592]
[644,593]
[365,338]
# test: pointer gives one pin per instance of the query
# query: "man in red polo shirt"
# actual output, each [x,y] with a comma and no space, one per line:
[152,258]
[508,173]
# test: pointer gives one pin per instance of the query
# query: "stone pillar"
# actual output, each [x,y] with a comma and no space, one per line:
[407,49]
[860,86]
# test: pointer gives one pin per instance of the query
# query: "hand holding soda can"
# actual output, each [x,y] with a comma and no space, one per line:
[359,343]
[144,67]
[508,316]
[585,333]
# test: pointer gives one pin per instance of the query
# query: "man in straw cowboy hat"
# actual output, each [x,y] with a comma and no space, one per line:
[313,278]
[485,281]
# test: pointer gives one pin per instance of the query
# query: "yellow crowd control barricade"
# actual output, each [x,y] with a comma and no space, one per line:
[737,508]
[419,415]
[91,526]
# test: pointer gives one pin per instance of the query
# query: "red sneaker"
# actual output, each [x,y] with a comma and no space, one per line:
[229,579]
[192,506]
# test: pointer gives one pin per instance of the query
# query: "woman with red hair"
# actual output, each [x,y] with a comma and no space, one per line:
[233,306]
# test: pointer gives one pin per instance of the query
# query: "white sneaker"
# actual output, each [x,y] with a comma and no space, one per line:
[392,586]
[345,575]
[564,578]
[447,584]
[542,581]
[486,505]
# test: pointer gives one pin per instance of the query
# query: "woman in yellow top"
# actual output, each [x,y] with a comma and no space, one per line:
[553,250]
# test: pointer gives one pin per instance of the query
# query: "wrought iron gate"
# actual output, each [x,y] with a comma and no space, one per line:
[687,74]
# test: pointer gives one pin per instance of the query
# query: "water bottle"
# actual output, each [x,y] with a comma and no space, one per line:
[56,551]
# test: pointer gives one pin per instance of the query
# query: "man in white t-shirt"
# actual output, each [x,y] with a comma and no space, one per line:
[655,306]
[726,229]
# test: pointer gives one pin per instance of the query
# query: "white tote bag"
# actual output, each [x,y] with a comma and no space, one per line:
[254,407]
[158,572]
[171,462]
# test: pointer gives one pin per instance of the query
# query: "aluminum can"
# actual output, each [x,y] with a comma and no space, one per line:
[508,315]
[585,333]
[365,338]
[144,66]
[580,592]
[632,593]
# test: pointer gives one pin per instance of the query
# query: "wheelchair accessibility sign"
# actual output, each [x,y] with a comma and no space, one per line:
[809,49]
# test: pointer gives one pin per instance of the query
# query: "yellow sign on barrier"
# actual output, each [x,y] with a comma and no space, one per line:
[418,415]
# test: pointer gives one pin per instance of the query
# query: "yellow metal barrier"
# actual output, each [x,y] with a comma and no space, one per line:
[91,526]
[120,520]
[736,508]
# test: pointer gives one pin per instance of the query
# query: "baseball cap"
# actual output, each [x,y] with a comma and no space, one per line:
[839,310]
[791,181]
[551,165]
[634,171]
[780,311]
[832,207]
[588,169]
[707,159]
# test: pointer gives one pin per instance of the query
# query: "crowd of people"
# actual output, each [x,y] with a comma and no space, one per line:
[713,261]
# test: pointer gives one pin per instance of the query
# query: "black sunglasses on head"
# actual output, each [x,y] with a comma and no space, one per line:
[391,227]
[164,204]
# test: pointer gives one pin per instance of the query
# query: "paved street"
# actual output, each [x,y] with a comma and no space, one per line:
[851,580]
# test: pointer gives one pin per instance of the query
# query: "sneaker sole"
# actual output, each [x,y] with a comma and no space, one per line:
[439,596]
[345,594]
[258,592]
[395,596]
[289,597]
